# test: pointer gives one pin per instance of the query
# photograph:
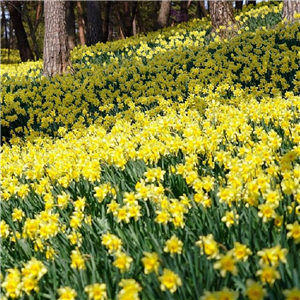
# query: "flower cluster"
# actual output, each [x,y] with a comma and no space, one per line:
[190,190]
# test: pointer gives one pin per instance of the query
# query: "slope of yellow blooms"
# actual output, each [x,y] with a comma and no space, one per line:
[170,173]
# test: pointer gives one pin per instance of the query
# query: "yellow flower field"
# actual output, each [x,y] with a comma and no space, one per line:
[167,167]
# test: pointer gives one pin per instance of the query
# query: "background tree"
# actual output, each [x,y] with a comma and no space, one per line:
[154,14]
[163,14]
[253,2]
[70,24]
[201,11]
[184,8]
[14,8]
[126,15]
[32,14]
[4,27]
[289,9]
[101,21]
[119,20]
[239,4]
[80,22]
[106,21]
[221,13]
[56,47]
[94,23]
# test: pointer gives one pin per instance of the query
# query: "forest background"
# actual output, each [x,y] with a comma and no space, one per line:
[90,22]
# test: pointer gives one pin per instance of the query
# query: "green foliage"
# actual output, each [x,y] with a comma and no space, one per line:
[178,137]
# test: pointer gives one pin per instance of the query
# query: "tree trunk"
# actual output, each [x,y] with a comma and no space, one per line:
[106,21]
[155,6]
[94,23]
[289,10]
[139,20]
[163,14]
[134,30]
[56,48]
[80,21]
[32,29]
[38,13]
[11,40]
[126,17]
[14,8]
[253,2]
[33,24]
[184,14]
[4,26]
[239,4]
[221,13]
[201,11]
[39,18]
[70,24]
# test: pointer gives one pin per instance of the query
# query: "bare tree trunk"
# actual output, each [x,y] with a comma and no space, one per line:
[221,13]
[33,38]
[201,11]
[154,14]
[56,48]
[10,43]
[33,25]
[38,13]
[126,17]
[253,2]
[106,21]
[239,4]
[4,26]
[132,21]
[120,24]
[139,20]
[184,16]
[14,8]
[163,14]
[94,23]
[134,32]
[80,21]
[289,10]
[39,17]
[70,24]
